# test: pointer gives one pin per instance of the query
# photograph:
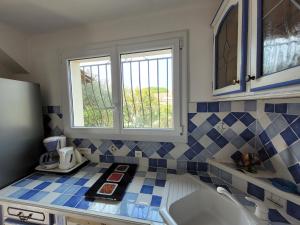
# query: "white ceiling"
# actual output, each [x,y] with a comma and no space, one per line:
[39,16]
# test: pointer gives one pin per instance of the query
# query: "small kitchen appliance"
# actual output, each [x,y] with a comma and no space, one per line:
[50,159]
[67,158]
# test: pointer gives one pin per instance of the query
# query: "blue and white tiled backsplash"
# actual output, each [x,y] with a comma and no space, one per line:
[215,129]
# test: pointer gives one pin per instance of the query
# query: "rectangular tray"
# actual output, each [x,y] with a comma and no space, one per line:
[119,192]
[59,171]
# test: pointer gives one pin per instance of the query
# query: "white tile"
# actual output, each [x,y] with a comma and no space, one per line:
[200,118]
[144,199]
[192,107]
[205,141]
[158,191]
[237,106]
[239,184]
[179,149]
[50,198]
[52,187]
[279,143]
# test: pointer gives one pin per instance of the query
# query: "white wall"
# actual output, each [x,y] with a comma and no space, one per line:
[15,45]
[196,18]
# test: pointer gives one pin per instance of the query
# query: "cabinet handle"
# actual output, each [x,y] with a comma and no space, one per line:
[250,77]
[235,82]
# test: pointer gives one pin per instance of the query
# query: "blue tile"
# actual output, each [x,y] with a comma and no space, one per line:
[221,141]
[146,189]
[119,144]
[269,107]
[73,201]
[202,107]
[270,149]
[81,181]
[192,166]
[62,179]
[62,188]
[191,140]
[205,179]
[160,183]
[263,156]
[236,156]
[213,119]
[247,119]
[191,126]
[213,134]
[126,208]
[156,201]
[230,119]
[289,118]
[154,215]
[168,146]
[61,200]
[72,190]
[38,196]
[281,108]
[256,191]
[84,204]
[293,210]
[82,191]
[153,163]
[140,211]
[19,193]
[131,197]
[22,183]
[35,176]
[247,135]
[28,194]
[264,138]
[197,148]
[238,115]
[275,216]
[289,136]
[296,127]
[162,152]
[295,171]
[42,185]
[162,163]
[190,154]
[213,107]
[149,181]
[225,106]
[202,166]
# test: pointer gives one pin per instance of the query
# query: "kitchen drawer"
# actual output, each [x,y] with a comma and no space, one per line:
[26,214]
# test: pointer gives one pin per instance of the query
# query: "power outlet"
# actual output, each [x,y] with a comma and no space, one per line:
[85,151]
[138,154]
[113,148]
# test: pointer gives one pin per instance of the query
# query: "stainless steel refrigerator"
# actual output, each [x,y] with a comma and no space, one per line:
[21,129]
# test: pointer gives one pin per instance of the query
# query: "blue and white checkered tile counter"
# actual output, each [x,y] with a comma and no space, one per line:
[142,199]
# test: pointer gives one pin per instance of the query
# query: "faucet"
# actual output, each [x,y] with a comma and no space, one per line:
[261,212]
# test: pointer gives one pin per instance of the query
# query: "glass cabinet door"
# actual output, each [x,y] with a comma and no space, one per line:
[276,35]
[230,47]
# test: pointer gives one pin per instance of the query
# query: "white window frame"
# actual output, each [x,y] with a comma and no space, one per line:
[175,40]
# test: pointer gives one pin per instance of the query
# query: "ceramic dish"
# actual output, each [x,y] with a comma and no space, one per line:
[115,177]
[107,189]
[122,168]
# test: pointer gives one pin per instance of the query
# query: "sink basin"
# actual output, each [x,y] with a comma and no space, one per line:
[202,205]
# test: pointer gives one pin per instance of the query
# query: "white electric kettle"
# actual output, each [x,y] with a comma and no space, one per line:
[67,158]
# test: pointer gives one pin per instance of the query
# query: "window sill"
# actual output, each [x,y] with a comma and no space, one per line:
[114,135]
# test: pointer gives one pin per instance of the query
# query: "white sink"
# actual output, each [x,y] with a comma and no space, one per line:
[192,202]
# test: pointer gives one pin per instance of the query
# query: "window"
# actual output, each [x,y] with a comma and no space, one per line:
[133,90]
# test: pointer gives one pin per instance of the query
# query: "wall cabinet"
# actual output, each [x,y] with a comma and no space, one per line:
[256,47]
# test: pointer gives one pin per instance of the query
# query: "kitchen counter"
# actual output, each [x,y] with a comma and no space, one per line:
[141,203]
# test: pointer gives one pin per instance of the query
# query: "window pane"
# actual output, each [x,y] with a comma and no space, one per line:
[280,35]
[147,89]
[226,49]
[91,92]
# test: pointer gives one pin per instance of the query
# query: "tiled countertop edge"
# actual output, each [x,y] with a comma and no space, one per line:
[256,181]
[290,206]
